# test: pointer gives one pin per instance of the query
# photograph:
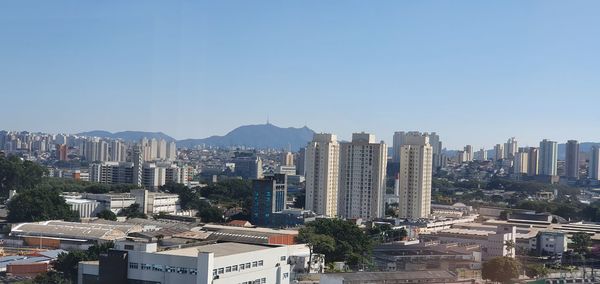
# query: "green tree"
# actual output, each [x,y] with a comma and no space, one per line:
[581,243]
[67,263]
[187,196]
[208,213]
[50,277]
[39,204]
[17,174]
[317,243]
[510,246]
[352,245]
[107,215]
[501,269]
[536,271]
[133,211]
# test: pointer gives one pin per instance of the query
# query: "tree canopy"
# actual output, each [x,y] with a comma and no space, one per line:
[17,174]
[501,269]
[66,264]
[132,211]
[39,204]
[581,243]
[107,215]
[350,243]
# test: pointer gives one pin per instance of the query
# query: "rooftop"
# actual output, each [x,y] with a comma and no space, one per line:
[373,276]
[72,230]
[213,227]
[222,249]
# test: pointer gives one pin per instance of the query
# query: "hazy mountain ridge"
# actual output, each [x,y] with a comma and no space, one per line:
[127,135]
[257,136]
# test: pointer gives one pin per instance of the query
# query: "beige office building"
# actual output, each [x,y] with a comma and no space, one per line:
[321,163]
[362,177]
[415,177]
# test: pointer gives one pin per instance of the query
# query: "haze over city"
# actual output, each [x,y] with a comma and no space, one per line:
[475,72]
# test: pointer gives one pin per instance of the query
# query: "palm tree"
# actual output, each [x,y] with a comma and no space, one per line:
[510,246]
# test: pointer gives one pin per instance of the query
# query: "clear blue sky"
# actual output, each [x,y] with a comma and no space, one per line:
[476,72]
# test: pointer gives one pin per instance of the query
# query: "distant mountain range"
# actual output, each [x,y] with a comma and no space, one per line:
[127,135]
[256,136]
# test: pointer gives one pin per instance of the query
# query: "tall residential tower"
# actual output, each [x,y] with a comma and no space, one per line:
[321,166]
[362,177]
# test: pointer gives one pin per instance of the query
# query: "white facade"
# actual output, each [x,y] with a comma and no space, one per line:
[481,155]
[548,158]
[156,202]
[510,148]
[415,177]
[521,163]
[594,165]
[223,263]
[468,153]
[499,149]
[113,202]
[362,177]
[87,208]
[171,151]
[321,165]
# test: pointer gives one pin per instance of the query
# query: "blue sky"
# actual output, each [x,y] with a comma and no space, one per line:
[477,72]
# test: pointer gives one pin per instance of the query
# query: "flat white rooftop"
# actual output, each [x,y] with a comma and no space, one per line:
[222,249]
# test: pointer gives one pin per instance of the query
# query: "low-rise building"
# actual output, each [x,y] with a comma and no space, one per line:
[67,235]
[87,208]
[213,263]
[431,276]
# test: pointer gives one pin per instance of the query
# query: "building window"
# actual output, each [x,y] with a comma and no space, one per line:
[254,264]
[285,275]
[228,269]
[146,266]
[169,269]
[282,258]
[242,267]
[221,270]
[234,268]
[157,267]
[133,265]
[260,263]
[214,272]
[263,280]
[247,265]
[193,271]
[128,247]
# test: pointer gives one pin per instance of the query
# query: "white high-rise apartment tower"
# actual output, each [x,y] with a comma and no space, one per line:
[161,150]
[434,141]
[510,148]
[171,151]
[468,153]
[548,156]
[481,155]
[594,165]
[321,163]
[153,149]
[521,162]
[415,177]
[362,177]
[499,149]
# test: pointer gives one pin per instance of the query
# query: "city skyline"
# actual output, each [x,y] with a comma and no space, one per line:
[199,69]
